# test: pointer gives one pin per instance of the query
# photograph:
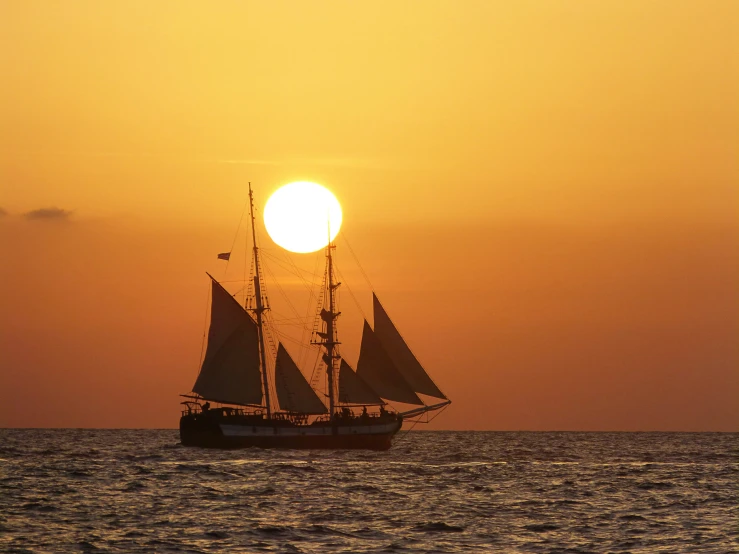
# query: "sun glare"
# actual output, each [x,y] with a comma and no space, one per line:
[299,217]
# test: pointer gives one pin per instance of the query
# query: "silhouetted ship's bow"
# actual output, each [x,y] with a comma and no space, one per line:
[244,379]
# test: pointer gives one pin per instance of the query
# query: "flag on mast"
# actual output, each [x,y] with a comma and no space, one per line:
[224,256]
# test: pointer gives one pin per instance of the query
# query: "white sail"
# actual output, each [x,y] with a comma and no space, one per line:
[401,355]
[293,391]
[230,372]
[377,370]
[353,390]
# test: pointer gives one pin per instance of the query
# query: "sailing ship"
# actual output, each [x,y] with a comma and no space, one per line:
[234,375]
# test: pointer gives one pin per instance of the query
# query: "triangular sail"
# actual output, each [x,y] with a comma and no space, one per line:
[230,372]
[377,370]
[293,391]
[353,390]
[401,355]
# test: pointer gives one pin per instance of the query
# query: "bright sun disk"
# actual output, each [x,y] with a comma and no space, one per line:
[299,216]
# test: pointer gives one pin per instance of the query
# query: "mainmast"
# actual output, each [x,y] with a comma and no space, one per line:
[259,310]
[330,342]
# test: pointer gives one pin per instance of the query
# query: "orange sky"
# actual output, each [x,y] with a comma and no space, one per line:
[545,197]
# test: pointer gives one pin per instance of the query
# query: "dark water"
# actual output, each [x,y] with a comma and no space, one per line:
[139,491]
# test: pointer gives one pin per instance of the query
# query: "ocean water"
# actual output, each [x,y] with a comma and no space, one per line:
[78,490]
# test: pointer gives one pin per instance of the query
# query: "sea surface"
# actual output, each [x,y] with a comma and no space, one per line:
[76,490]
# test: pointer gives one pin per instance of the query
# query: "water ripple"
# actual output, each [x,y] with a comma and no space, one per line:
[140,491]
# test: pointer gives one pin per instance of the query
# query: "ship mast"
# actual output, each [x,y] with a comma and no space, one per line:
[259,310]
[330,316]
[331,329]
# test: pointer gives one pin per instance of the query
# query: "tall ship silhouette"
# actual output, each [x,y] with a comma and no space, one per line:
[249,395]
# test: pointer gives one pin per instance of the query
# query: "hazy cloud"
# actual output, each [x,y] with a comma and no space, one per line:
[362,163]
[248,162]
[48,214]
[3,212]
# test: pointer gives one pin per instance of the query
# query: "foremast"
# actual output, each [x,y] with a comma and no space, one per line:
[260,307]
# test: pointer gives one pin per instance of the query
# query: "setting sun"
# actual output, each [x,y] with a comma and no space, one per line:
[300,215]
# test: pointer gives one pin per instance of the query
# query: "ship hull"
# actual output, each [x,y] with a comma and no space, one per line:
[229,433]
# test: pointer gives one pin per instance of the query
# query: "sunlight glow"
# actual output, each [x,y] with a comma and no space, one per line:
[298,216]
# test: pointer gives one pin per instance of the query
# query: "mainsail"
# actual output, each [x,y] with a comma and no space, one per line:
[293,391]
[353,390]
[377,370]
[230,372]
[402,357]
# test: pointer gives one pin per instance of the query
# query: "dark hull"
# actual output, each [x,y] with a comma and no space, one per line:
[215,432]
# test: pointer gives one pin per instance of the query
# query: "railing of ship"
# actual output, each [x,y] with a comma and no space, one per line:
[224,411]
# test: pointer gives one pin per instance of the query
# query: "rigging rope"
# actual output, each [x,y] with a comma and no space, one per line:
[281,290]
[405,434]
[311,298]
[236,236]
[345,282]
[416,422]
[361,269]
[297,271]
